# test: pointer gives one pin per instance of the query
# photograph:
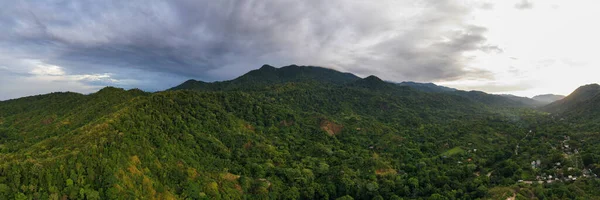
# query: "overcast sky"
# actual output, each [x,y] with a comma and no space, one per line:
[522,47]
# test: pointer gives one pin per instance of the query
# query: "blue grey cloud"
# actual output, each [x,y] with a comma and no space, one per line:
[155,44]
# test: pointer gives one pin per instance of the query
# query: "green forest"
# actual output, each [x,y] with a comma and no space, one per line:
[298,133]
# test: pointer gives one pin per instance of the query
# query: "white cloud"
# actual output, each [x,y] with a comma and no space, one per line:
[548,49]
[45,78]
[41,69]
[524,4]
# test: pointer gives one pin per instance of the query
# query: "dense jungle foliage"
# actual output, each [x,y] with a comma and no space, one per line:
[294,133]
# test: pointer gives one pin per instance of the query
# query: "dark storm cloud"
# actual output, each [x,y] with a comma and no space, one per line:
[211,40]
[439,60]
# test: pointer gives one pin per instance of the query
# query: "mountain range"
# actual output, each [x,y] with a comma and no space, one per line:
[268,75]
[298,132]
[548,98]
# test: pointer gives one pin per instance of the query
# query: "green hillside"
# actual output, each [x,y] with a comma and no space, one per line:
[581,108]
[268,75]
[306,133]
[579,98]
[477,96]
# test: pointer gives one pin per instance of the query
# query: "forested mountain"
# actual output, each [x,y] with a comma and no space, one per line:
[289,133]
[427,87]
[267,75]
[478,96]
[580,108]
[497,100]
[530,102]
[588,110]
[548,98]
[582,98]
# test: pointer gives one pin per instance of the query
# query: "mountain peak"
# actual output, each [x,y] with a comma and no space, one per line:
[191,81]
[294,73]
[372,82]
[267,67]
[593,86]
[373,78]
[586,91]
[268,74]
[191,84]
[110,89]
[579,97]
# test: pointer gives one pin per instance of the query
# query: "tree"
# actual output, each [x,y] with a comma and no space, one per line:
[437,197]
[347,197]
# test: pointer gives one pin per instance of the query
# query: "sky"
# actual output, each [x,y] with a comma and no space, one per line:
[521,47]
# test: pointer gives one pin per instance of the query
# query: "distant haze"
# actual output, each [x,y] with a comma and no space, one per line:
[520,47]
[548,98]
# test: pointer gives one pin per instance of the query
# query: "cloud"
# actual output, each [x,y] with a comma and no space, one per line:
[134,42]
[48,70]
[492,86]
[433,59]
[524,5]
[31,77]
[486,6]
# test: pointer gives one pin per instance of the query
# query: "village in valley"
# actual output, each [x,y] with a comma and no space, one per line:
[565,164]
[571,171]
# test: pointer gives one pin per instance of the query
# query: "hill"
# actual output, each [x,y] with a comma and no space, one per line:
[268,75]
[548,98]
[477,96]
[283,136]
[427,87]
[582,98]
[524,100]
[290,143]
[581,108]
